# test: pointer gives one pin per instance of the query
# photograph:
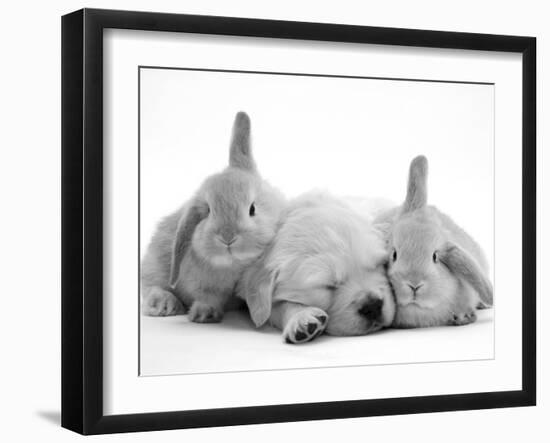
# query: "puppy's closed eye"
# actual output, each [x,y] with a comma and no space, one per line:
[332,286]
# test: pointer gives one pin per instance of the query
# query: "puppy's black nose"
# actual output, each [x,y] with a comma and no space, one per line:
[372,309]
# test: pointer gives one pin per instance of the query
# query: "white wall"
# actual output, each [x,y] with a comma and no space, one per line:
[30,234]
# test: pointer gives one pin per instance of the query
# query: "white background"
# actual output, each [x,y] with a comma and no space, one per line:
[30,183]
[347,136]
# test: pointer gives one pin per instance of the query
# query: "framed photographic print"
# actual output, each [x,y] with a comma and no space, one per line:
[268,221]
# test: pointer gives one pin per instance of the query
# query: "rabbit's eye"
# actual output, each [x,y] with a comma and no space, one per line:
[394,255]
[434,257]
[252,210]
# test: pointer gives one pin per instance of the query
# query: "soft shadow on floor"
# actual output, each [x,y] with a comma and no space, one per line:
[54,417]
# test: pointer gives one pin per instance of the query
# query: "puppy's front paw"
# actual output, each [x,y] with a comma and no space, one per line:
[201,312]
[305,325]
[161,303]
[463,318]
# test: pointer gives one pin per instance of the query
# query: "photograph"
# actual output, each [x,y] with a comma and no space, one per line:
[295,220]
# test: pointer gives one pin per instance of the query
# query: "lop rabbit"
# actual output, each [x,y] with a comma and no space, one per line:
[437,270]
[198,253]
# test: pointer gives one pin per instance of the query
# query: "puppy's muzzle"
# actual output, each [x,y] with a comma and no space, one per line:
[372,309]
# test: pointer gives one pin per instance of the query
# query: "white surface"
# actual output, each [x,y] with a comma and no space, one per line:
[174,345]
[124,51]
[30,370]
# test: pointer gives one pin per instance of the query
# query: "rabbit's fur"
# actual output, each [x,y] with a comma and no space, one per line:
[323,272]
[438,272]
[198,253]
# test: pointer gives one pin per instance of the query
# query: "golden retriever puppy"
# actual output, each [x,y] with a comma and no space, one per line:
[323,272]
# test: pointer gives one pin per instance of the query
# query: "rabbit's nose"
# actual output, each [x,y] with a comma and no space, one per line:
[228,237]
[415,287]
[229,240]
[372,309]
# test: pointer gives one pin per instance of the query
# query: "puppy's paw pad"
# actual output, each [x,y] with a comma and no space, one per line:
[463,318]
[322,319]
[204,313]
[312,327]
[305,326]
[161,303]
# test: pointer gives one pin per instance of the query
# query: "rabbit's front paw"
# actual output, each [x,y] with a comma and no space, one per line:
[305,325]
[463,318]
[201,312]
[161,303]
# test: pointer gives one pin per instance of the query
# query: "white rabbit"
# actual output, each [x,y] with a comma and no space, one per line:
[438,272]
[198,253]
[323,272]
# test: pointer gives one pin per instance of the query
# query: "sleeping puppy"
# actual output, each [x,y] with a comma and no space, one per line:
[324,272]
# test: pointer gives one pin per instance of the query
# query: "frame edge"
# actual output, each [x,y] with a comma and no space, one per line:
[529,219]
[72,223]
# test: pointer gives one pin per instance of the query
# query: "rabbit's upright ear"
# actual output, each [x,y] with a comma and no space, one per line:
[462,265]
[184,234]
[257,289]
[240,152]
[417,187]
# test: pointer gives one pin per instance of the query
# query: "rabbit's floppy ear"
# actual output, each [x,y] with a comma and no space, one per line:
[240,151]
[258,286]
[417,187]
[464,266]
[184,233]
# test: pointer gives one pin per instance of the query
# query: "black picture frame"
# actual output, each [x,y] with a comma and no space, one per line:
[82,220]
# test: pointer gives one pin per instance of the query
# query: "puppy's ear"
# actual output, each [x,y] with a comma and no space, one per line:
[462,265]
[240,151]
[189,220]
[417,187]
[257,288]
